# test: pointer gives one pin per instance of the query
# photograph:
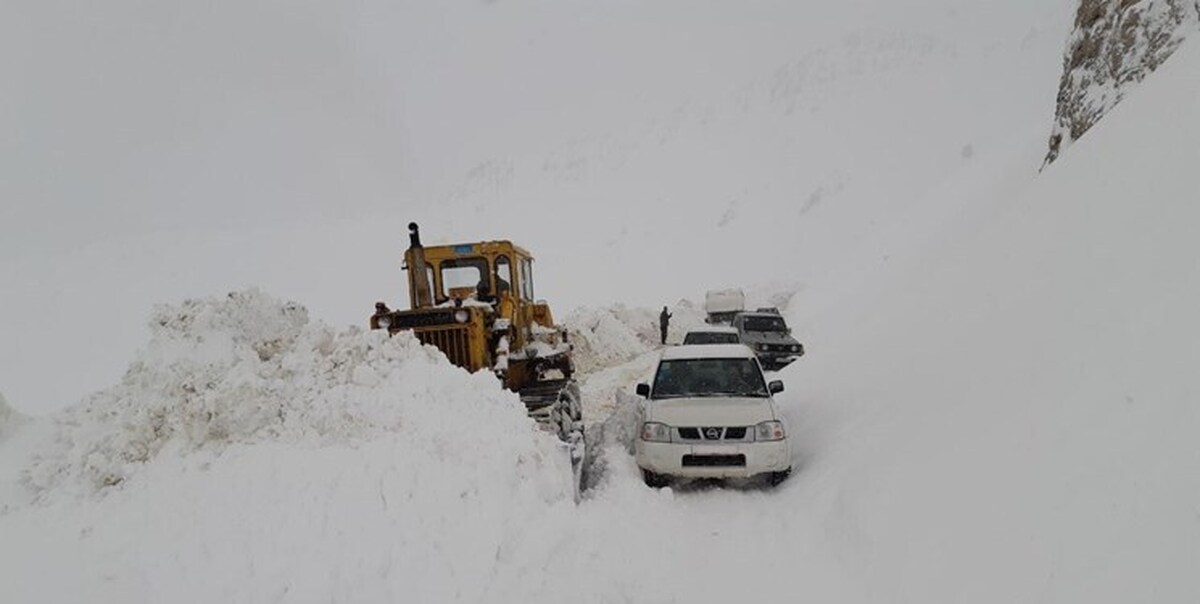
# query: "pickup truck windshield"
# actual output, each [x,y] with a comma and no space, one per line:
[708,377]
[710,337]
[764,324]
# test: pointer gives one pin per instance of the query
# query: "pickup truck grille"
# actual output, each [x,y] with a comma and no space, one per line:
[713,433]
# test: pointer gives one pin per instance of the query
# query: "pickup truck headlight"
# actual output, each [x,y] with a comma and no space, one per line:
[769,431]
[761,346]
[384,322]
[656,433]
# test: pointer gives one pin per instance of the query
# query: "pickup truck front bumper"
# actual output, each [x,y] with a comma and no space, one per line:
[740,460]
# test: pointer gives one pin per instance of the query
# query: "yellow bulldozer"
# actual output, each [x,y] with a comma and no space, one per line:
[475,302]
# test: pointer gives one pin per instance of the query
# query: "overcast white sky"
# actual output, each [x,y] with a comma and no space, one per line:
[153,150]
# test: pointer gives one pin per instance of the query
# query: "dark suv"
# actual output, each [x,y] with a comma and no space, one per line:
[767,334]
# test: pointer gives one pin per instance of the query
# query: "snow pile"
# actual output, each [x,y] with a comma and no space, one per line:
[604,337]
[1115,44]
[254,455]
[248,369]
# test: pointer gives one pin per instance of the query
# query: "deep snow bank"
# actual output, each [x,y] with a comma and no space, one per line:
[249,369]
[253,455]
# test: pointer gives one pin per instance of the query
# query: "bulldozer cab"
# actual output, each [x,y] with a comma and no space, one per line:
[475,302]
[487,272]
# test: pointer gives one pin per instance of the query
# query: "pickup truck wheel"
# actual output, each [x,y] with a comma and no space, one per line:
[655,480]
[774,478]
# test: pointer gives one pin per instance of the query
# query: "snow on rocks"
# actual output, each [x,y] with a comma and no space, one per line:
[1114,46]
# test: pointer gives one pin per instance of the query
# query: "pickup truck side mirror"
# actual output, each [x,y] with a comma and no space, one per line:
[643,390]
[775,387]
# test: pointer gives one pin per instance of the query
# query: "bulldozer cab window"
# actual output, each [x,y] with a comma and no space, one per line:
[460,273]
[527,279]
[503,278]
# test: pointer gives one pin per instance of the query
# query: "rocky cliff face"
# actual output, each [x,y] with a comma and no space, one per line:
[1114,45]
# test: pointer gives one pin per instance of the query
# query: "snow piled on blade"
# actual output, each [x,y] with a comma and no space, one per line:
[249,369]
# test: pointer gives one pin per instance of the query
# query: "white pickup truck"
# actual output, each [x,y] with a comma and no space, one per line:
[710,414]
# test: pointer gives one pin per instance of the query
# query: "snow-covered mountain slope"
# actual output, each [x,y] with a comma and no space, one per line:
[1013,417]
[998,403]
[1008,416]
[644,151]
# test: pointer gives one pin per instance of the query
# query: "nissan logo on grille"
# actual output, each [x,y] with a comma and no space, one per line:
[712,433]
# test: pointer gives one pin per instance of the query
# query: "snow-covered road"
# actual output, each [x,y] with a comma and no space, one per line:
[998,403]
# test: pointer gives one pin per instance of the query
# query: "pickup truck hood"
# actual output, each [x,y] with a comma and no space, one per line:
[710,411]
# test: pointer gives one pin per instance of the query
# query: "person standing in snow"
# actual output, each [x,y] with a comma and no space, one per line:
[664,320]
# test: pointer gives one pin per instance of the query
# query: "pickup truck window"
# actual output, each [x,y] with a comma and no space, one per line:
[763,324]
[708,377]
[710,337]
